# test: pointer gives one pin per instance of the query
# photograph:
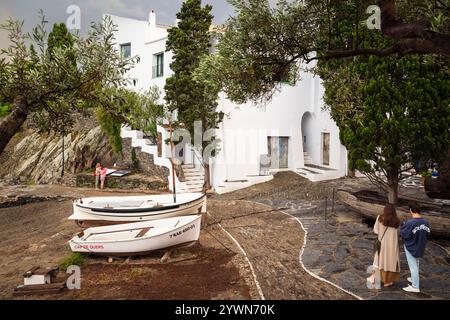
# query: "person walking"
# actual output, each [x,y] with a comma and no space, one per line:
[387,258]
[414,233]
[97,174]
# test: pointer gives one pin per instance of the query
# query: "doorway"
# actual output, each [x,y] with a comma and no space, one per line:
[278,152]
[325,149]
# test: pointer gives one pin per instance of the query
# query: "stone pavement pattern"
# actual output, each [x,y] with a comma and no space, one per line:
[272,242]
[339,245]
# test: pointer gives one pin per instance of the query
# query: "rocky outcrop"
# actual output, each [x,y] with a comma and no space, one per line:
[33,158]
[36,158]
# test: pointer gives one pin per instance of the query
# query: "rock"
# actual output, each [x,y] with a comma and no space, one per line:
[334,268]
[37,157]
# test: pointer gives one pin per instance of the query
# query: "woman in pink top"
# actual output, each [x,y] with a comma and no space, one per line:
[103,172]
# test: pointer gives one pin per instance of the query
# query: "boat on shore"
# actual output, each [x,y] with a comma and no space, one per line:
[138,238]
[103,211]
[370,204]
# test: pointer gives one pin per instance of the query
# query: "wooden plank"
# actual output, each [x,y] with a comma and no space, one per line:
[37,287]
[30,272]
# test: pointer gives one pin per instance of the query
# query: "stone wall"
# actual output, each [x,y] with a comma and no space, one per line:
[130,182]
[145,162]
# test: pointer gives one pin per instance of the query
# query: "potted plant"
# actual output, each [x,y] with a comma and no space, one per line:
[424,175]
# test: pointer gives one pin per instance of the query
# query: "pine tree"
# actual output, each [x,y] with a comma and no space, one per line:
[396,116]
[186,93]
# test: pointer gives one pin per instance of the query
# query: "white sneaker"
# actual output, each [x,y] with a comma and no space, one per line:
[410,288]
[409,280]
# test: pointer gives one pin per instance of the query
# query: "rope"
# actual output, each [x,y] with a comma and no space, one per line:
[219,241]
[245,215]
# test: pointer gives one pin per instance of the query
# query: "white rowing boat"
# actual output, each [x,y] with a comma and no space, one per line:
[137,238]
[100,211]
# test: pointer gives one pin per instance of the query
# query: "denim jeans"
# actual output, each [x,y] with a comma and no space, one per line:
[413,264]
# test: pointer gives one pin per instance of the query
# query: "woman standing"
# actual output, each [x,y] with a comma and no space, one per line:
[387,260]
[103,172]
[97,174]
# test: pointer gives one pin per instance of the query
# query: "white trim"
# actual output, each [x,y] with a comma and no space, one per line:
[157,40]
[303,249]
[261,294]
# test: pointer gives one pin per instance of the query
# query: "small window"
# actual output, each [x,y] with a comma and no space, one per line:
[125,50]
[158,65]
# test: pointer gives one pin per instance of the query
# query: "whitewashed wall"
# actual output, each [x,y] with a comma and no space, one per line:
[246,127]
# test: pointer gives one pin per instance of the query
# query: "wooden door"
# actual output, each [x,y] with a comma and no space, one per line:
[278,152]
[284,152]
[325,149]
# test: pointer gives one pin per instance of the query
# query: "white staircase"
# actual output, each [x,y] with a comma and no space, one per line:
[317,173]
[194,176]
[307,157]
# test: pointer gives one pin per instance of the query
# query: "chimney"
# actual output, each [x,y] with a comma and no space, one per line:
[152,19]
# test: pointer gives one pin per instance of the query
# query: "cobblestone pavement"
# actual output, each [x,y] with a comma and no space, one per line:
[339,244]
[272,242]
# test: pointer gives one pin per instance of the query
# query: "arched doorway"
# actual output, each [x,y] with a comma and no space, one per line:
[307,137]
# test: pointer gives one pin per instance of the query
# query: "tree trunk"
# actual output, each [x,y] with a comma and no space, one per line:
[207,185]
[12,123]
[393,191]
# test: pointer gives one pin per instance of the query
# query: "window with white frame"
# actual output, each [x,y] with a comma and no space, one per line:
[125,50]
[158,65]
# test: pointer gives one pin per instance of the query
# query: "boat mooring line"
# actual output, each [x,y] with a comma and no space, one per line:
[261,294]
[302,251]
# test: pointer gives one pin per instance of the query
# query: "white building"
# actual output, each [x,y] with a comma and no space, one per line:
[292,131]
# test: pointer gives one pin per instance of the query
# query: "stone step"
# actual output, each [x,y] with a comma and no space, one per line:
[194,178]
[194,174]
[194,183]
[190,190]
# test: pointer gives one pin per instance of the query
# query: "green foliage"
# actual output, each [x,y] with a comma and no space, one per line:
[399,112]
[142,111]
[262,41]
[5,110]
[112,184]
[120,106]
[111,124]
[59,74]
[74,259]
[192,91]
[426,174]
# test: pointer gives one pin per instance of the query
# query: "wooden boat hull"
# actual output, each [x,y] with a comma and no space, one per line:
[437,188]
[125,240]
[85,216]
[440,225]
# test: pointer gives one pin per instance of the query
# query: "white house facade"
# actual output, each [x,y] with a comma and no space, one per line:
[292,132]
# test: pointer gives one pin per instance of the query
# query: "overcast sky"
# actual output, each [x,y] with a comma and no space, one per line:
[92,10]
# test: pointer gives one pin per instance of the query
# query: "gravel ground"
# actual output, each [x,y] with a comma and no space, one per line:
[36,234]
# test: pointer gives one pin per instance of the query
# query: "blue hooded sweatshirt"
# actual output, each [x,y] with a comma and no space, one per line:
[415,234]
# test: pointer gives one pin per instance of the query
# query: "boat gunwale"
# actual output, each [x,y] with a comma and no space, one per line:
[114,212]
[134,239]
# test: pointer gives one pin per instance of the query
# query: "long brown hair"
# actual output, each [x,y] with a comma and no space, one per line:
[389,217]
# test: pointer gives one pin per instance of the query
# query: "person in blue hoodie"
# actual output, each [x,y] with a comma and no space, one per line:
[414,233]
